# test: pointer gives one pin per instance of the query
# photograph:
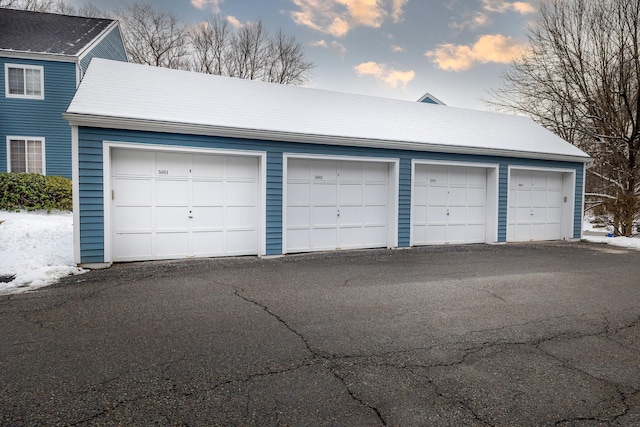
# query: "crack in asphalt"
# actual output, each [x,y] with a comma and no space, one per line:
[315,354]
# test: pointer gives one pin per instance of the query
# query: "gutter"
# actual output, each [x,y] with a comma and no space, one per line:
[88,120]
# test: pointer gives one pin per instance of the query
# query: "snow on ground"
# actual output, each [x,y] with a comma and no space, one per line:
[36,248]
[601,235]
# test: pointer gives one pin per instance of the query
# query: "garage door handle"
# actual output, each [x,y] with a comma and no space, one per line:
[190,216]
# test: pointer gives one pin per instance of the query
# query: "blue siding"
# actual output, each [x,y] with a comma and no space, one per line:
[274,203]
[404,203]
[111,47]
[43,118]
[503,207]
[91,189]
[577,208]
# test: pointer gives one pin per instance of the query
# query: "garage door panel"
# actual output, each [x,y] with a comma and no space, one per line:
[299,193]
[436,233]
[173,165]
[421,176]
[324,216]
[475,233]
[299,239]
[456,233]
[325,171]
[241,193]
[299,216]
[350,171]
[419,216]
[457,196]
[457,215]
[136,218]
[374,215]
[172,192]
[350,194]
[208,243]
[476,196]
[132,162]
[242,217]
[169,245]
[208,193]
[350,237]
[240,242]
[207,217]
[351,215]
[324,238]
[376,172]
[438,175]
[437,196]
[420,195]
[242,168]
[211,167]
[376,194]
[132,191]
[476,215]
[299,170]
[436,215]
[172,217]
[133,245]
[325,194]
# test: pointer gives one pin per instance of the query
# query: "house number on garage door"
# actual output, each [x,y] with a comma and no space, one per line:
[163,171]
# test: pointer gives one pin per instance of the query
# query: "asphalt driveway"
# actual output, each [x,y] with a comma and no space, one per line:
[519,334]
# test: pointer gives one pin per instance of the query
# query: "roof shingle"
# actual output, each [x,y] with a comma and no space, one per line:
[50,33]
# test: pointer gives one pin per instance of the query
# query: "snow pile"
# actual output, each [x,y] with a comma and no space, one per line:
[36,248]
[602,235]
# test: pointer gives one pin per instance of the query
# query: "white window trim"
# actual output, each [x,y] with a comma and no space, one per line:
[24,67]
[27,138]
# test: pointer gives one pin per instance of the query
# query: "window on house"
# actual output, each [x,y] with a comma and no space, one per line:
[24,81]
[26,155]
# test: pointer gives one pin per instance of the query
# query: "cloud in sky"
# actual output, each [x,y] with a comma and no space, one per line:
[502,6]
[489,48]
[334,46]
[397,49]
[481,18]
[202,4]
[338,17]
[234,22]
[389,76]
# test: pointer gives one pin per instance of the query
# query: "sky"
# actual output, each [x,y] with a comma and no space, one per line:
[452,49]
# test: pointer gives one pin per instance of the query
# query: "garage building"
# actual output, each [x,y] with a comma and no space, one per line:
[172,164]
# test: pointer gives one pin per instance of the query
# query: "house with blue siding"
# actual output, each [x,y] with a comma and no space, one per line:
[43,57]
[172,164]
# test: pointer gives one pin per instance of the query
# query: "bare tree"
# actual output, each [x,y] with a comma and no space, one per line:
[581,79]
[33,5]
[154,37]
[287,63]
[88,10]
[248,53]
[209,42]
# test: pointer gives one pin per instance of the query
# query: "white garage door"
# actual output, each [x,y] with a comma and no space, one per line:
[173,205]
[535,206]
[336,205]
[449,204]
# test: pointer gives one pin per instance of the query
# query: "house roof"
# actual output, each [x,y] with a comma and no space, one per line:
[38,32]
[131,96]
[430,99]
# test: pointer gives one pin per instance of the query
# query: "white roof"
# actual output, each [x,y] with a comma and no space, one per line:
[123,95]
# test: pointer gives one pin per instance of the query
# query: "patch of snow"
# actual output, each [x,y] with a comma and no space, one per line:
[36,248]
[596,234]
